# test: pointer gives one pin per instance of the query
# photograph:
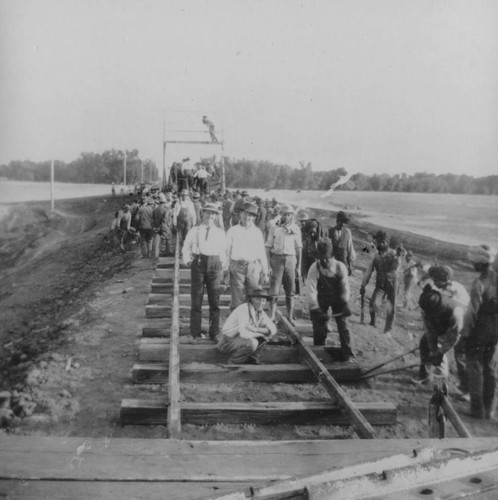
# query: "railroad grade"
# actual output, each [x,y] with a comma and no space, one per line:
[304,381]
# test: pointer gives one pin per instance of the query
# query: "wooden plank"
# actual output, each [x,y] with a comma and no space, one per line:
[159,327]
[155,349]
[157,373]
[174,413]
[153,412]
[169,274]
[115,490]
[97,459]
[164,311]
[162,298]
[358,421]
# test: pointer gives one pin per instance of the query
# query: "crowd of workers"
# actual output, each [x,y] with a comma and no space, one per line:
[259,247]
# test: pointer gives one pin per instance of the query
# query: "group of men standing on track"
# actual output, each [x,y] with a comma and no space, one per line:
[263,245]
[255,243]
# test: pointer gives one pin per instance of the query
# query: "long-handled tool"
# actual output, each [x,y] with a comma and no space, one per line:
[380,365]
[440,410]
[362,310]
[385,372]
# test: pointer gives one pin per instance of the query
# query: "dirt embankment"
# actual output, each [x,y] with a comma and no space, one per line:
[72,304]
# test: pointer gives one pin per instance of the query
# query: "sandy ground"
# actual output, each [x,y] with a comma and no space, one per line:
[72,307]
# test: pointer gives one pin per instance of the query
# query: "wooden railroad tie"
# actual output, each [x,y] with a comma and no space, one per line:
[154,412]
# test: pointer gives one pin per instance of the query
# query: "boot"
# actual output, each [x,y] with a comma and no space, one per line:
[289,302]
[372,319]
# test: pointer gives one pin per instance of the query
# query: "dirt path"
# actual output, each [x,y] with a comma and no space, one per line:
[72,308]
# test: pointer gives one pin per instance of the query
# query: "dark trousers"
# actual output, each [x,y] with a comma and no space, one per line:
[481,372]
[205,271]
[390,292]
[320,326]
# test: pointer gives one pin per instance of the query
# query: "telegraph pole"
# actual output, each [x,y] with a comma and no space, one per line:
[124,169]
[52,185]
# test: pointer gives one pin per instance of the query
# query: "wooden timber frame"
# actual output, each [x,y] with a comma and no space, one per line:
[205,143]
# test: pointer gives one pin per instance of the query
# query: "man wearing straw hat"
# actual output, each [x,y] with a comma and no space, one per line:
[248,265]
[205,251]
[284,250]
[247,330]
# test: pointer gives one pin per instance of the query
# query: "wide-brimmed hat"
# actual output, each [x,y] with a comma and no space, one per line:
[441,274]
[195,195]
[250,208]
[211,207]
[287,209]
[342,217]
[184,192]
[324,248]
[481,254]
[244,193]
[381,236]
[259,293]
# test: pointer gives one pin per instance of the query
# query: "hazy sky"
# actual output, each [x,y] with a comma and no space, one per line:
[368,85]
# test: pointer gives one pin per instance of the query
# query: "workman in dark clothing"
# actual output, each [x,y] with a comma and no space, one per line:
[385,263]
[481,331]
[261,217]
[327,287]
[210,125]
[443,324]
[311,234]
[144,222]
[239,207]
[342,241]
[162,220]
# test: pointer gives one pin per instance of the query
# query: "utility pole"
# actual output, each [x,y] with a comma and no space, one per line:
[124,169]
[141,171]
[52,185]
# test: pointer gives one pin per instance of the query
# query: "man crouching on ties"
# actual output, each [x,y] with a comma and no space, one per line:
[247,330]
[327,286]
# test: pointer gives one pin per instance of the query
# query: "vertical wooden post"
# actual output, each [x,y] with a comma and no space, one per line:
[141,171]
[52,175]
[124,170]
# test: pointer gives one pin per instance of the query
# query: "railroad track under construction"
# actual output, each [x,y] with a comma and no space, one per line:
[166,357]
[178,468]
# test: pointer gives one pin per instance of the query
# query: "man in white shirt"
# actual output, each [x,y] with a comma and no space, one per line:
[246,255]
[284,250]
[205,251]
[247,330]
[184,216]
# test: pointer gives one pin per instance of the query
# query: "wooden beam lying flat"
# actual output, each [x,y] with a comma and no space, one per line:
[153,412]
[164,311]
[184,300]
[157,373]
[159,327]
[157,349]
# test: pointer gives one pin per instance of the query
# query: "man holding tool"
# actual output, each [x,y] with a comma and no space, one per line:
[327,286]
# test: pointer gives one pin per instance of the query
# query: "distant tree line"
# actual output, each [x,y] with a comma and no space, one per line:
[264,174]
[93,168]
[107,167]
